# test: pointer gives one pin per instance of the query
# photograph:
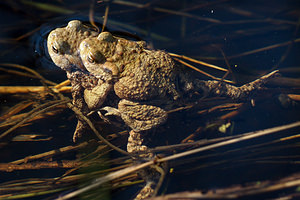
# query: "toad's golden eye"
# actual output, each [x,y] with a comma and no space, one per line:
[91,58]
[54,49]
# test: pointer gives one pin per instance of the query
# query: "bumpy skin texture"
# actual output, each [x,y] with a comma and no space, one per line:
[139,76]
[142,74]
[63,44]
[144,80]
[63,48]
[141,117]
[114,64]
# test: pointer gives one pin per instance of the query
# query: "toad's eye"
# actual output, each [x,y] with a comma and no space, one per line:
[54,49]
[91,58]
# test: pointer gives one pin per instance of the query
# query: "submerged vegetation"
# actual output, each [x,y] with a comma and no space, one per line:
[212,147]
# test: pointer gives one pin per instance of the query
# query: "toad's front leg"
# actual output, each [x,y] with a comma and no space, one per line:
[95,96]
[78,100]
[88,94]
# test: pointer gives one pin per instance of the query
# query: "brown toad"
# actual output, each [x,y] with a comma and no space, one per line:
[137,75]
[63,44]
[146,81]
[63,48]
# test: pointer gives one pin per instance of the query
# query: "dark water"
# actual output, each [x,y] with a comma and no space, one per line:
[206,30]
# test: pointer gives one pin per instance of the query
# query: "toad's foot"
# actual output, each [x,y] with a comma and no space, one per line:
[222,89]
[146,191]
[153,175]
[111,111]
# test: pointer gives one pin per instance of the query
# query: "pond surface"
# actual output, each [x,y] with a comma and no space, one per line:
[250,38]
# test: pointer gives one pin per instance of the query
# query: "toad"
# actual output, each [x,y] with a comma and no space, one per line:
[147,82]
[63,48]
[63,44]
[142,79]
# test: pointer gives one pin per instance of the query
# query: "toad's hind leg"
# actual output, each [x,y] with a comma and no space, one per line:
[222,89]
[153,175]
[141,117]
